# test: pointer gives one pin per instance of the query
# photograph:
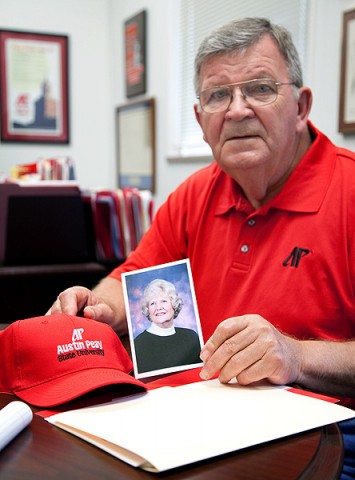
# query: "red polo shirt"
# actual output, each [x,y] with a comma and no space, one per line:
[291,261]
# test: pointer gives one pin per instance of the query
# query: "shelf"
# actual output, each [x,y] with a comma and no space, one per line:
[50,270]
[29,290]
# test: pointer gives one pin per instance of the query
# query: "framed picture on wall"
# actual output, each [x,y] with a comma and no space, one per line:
[135,54]
[347,81]
[34,87]
[135,142]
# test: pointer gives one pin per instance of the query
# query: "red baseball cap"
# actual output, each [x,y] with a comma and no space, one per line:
[50,360]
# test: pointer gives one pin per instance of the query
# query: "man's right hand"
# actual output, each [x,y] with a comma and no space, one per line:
[77,301]
[104,304]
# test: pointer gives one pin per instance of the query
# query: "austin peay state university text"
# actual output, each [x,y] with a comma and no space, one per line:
[79,347]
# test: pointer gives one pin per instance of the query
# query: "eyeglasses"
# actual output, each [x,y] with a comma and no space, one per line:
[257,93]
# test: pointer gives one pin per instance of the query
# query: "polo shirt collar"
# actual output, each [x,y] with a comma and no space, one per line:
[305,189]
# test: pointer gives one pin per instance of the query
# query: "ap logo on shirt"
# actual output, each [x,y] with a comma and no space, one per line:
[293,260]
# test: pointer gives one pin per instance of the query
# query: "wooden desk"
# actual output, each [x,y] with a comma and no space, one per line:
[45,451]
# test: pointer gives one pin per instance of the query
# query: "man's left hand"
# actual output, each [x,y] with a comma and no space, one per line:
[250,349]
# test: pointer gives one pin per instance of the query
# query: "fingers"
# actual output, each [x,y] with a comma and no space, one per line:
[101,312]
[72,300]
[229,338]
[224,335]
[241,365]
[250,349]
[82,301]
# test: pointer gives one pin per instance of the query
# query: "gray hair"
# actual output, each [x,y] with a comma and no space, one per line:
[158,286]
[238,35]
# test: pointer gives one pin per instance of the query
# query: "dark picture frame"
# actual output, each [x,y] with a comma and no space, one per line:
[135,54]
[34,87]
[347,81]
[135,145]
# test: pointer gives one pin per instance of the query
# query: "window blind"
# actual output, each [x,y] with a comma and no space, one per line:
[196,19]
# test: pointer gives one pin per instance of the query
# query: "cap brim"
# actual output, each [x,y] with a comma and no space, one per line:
[73,385]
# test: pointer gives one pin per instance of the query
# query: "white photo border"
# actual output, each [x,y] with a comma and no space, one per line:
[150,275]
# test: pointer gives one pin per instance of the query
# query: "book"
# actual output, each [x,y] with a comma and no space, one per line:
[169,427]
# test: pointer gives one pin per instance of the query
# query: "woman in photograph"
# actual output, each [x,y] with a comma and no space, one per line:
[163,345]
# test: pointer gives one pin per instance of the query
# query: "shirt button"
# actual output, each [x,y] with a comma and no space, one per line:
[251,222]
[245,249]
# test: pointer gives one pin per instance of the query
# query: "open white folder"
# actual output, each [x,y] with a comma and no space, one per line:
[174,426]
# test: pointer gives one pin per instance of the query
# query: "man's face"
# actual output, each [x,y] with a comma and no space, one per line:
[263,138]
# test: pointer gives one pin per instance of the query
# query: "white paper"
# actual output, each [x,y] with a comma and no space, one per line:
[14,417]
[174,426]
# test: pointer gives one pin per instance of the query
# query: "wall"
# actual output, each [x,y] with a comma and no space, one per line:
[86,24]
[162,24]
[323,73]
[95,28]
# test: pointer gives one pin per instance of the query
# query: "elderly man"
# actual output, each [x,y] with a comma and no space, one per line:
[268,226]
